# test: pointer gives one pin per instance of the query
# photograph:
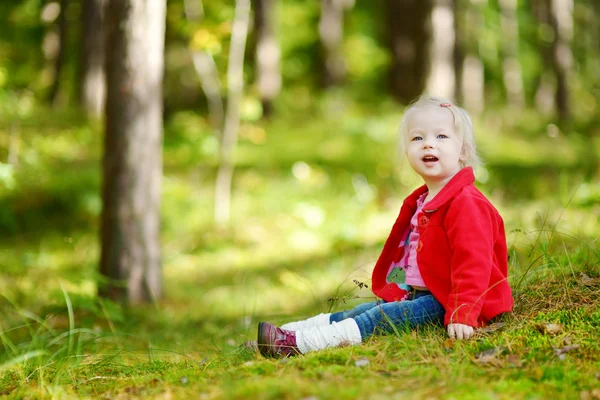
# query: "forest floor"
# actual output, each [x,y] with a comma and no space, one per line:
[313,201]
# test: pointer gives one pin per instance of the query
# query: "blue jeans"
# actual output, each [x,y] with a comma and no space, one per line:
[421,309]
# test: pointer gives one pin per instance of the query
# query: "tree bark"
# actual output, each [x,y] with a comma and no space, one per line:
[511,66]
[408,38]
[132,164]
[472,70]
[92,90]
[556,51]
[235,79]
[562,23]
[207,71]
[459,50]
[442,75]
[268,53]
[331,32]
[59,61]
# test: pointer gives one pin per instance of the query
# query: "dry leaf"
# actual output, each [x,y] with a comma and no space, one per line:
[563,350]
[514,360]
[490,357]
[551,329]
[491,327]
[449,344]
[593,394]
[363,362]
[584,279]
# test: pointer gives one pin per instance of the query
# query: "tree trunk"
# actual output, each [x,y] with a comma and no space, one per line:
[511,66]
[556,52]
[235,79]
[472,71]
[331,32]
[459,50]
[207,71]
[562,60]
[92,90]
[408,39]
[267,56]
[442,76]
[132,164]
[59,61]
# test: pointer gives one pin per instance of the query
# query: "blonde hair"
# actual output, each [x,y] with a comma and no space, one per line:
[462,124]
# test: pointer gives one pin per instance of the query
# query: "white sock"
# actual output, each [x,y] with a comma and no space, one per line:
[324,337]
[317,320]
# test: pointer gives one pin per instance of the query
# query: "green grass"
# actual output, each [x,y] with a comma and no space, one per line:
[314,198]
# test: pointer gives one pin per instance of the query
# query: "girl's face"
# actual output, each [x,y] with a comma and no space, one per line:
[434,149]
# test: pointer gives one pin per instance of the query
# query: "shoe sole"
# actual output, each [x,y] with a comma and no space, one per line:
[263,348]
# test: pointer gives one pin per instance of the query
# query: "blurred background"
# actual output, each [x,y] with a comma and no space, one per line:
[219,162]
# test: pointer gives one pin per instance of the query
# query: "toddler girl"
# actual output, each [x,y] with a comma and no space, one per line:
[445,260]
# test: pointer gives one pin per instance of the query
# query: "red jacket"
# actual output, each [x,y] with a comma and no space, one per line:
[461,253]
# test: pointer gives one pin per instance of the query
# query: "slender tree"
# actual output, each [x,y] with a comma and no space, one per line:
[408,35]
[235,80]
[557,15]
[331,32]
[511,66]
[442,75]
[59,61]
[207,70]
[132,164]
[472,69]
[92,90]
[268,53]
[459,50]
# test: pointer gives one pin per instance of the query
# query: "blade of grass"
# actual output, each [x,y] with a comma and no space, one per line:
[71,317]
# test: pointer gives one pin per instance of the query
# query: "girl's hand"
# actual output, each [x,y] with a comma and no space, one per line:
[460,331]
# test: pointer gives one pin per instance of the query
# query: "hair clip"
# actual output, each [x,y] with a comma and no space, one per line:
[445,105]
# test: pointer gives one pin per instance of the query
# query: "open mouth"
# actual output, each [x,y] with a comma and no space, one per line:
[429,159]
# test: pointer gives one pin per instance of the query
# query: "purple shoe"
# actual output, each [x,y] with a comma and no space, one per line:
[276,342]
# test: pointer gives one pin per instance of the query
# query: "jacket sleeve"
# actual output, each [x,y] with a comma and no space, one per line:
[379,285]
[471,228]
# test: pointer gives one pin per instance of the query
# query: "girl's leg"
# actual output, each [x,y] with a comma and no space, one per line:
[359,309]
[354,327]
[326,319]
[317,320]
[386,317]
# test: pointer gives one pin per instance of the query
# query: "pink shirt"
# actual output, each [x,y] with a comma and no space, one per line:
[409,260]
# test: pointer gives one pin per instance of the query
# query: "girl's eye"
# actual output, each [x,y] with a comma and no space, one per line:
[442,136]
[416,138]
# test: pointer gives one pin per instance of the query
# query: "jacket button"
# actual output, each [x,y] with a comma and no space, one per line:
[423,220]
[419,246]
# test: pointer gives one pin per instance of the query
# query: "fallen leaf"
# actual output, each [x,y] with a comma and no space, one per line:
[490,357]
[363,362]
[584,279]
[449,344]
[551,329]
[593,394]
[514,360]
[560,352]
[491,327]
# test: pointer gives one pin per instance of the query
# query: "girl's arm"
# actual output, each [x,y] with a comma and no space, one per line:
[471,226]
[460,331]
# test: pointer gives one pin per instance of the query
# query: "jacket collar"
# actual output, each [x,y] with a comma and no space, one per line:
[463,178]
